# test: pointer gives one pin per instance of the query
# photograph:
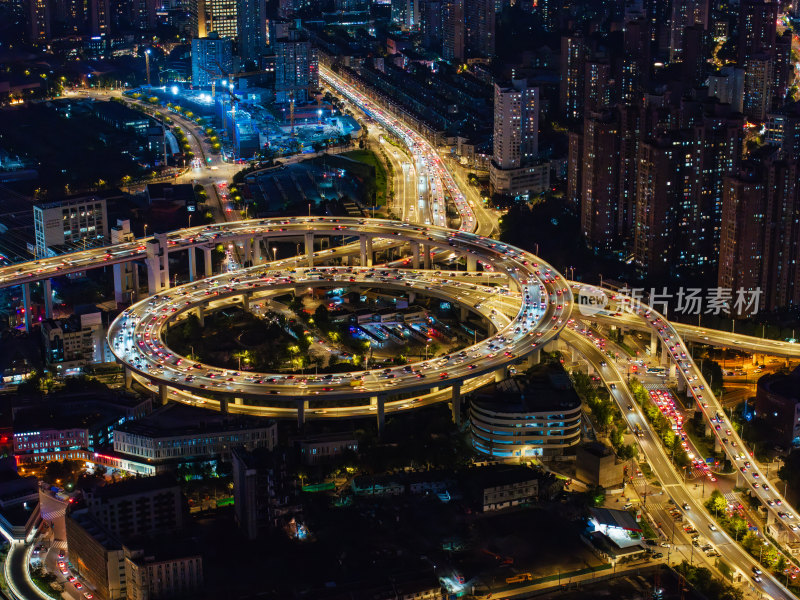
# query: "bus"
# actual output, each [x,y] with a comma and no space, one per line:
[656,370]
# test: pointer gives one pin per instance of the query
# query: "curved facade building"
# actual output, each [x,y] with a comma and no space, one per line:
[519,417]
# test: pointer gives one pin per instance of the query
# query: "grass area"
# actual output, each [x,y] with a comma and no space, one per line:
[43,583]
[368,157]
[648,532]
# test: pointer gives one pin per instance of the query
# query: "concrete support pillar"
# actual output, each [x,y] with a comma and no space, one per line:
[223,405]
[47,290]
[192,264]
[456,403]
[126,280]
[412,297]
[135,270]
[672,370]
[534,358]
[499,375]
[362,246]
[258,255]
[573,356]
[201,315]
[380,411]
[653,344]
[310,248]
[472,263]
[163,393]
[681,383]
[664,355]
[238,401]
[302,407]
[426,256]
[26,306]
[463,313]
[207,264]
[246,302]
[128,378]
[157,264]
[414,255]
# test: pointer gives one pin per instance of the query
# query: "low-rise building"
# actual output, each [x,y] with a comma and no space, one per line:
[69,223]
[73,343]
[69,425]
[496,487]
[121,117]
[377,485]
[178,433]
[325,447]
[155,571]
[596,464]
[422,482]
[534,415]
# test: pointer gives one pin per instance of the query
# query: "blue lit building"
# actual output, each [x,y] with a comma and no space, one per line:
[534,415]
[71,426]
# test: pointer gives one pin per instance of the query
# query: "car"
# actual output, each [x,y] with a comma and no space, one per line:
[665,545]
[78,585]
[88,595]
[712,527]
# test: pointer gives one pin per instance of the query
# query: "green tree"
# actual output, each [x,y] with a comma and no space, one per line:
[717,503]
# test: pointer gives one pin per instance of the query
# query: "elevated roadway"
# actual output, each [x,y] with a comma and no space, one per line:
[545,299]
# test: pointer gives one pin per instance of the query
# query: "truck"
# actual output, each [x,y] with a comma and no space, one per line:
[520,578]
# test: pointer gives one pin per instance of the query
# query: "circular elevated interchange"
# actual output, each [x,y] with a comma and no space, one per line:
[136,336]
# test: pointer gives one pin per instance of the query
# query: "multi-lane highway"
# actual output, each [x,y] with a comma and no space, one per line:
[671,481]
[442,186]
[700,392]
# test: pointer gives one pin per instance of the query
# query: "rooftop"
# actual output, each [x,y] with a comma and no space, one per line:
[134,486]
[69,202]
[545,388]
[176,420]
[115,110]
[615,518]
[496,475]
